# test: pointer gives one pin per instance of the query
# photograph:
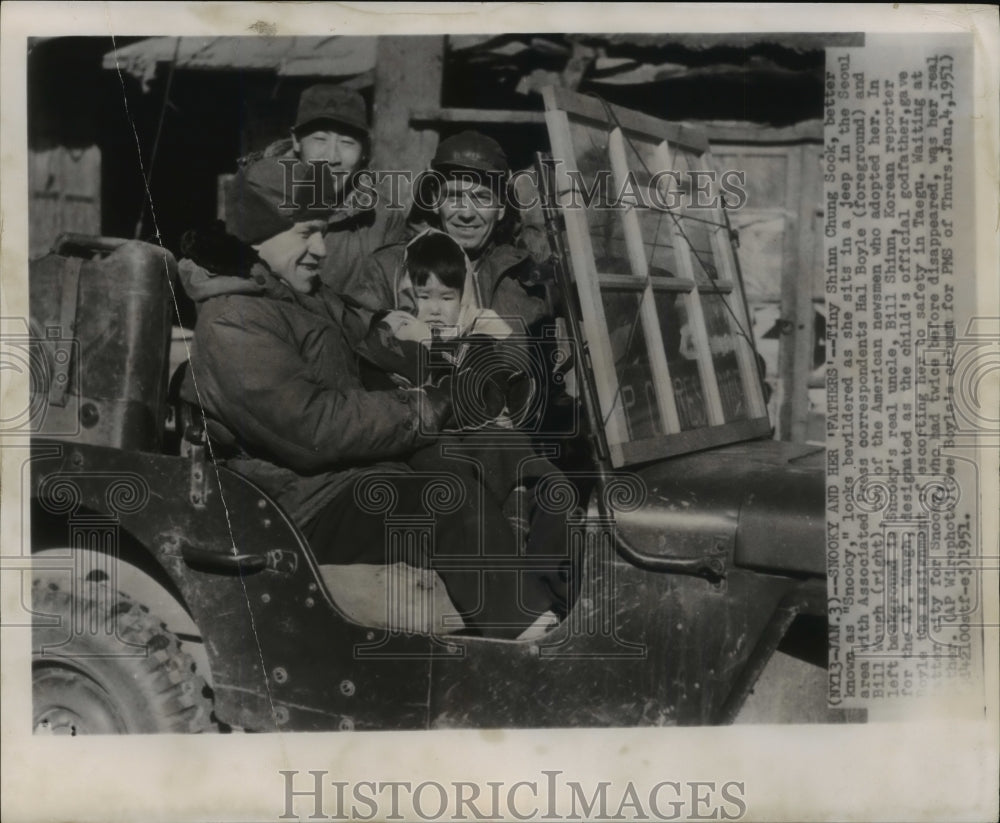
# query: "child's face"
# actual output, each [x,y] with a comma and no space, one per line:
[438,304]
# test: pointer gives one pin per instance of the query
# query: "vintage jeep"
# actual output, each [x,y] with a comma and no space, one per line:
[171,594]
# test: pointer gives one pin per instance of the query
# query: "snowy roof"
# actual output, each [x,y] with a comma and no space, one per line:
[288,56]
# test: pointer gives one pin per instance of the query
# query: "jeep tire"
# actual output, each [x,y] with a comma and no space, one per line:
[102,664]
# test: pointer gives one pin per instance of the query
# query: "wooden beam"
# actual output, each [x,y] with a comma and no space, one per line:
[683,254]
[406,79]
[581,251]
[590,108]
[473,116]
[717,132]
[586,107]
[703,437]
[795,351]
[720,133]
[728,269]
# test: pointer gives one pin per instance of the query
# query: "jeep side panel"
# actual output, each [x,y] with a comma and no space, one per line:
[281,655]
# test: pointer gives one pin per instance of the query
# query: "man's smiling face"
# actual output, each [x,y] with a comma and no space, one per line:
[469,213]
[295,254]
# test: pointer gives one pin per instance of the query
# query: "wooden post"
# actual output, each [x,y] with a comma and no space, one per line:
[64,191]
[795,354]
[408,76]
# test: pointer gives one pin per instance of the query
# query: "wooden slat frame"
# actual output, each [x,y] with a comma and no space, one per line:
[560,105]
[662,384]
[696,317]
[589,108]
[585,273]
[729,288]
[736,301]
[796,293]
[705,437]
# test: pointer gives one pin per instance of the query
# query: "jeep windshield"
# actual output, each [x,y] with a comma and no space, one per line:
[662,309]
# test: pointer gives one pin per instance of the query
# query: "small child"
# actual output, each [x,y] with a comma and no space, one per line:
[457,336]
[436,288]
[436,268]
[488,373]
[448,338]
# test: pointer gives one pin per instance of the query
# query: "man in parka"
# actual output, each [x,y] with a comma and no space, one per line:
[467,192]
[465,195]
[277,378]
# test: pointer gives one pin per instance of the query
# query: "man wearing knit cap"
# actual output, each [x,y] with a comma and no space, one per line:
[331,128]
[276,374]
[331,125]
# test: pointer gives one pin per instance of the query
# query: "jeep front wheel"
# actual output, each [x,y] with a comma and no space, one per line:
[102,664]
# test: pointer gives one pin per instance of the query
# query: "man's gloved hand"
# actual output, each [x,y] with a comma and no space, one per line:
[493,396]
[521,394]
[434,404]
[385,351]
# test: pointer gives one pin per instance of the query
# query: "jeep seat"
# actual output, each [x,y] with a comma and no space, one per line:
[397,596]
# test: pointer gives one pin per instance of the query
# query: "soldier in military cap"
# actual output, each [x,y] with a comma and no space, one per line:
[465,195]
[467,189]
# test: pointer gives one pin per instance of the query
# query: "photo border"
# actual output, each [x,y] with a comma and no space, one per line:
[894,767]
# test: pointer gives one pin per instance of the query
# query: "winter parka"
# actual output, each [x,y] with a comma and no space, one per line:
[278,370]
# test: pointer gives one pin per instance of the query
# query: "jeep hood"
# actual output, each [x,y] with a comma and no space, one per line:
[760,503]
